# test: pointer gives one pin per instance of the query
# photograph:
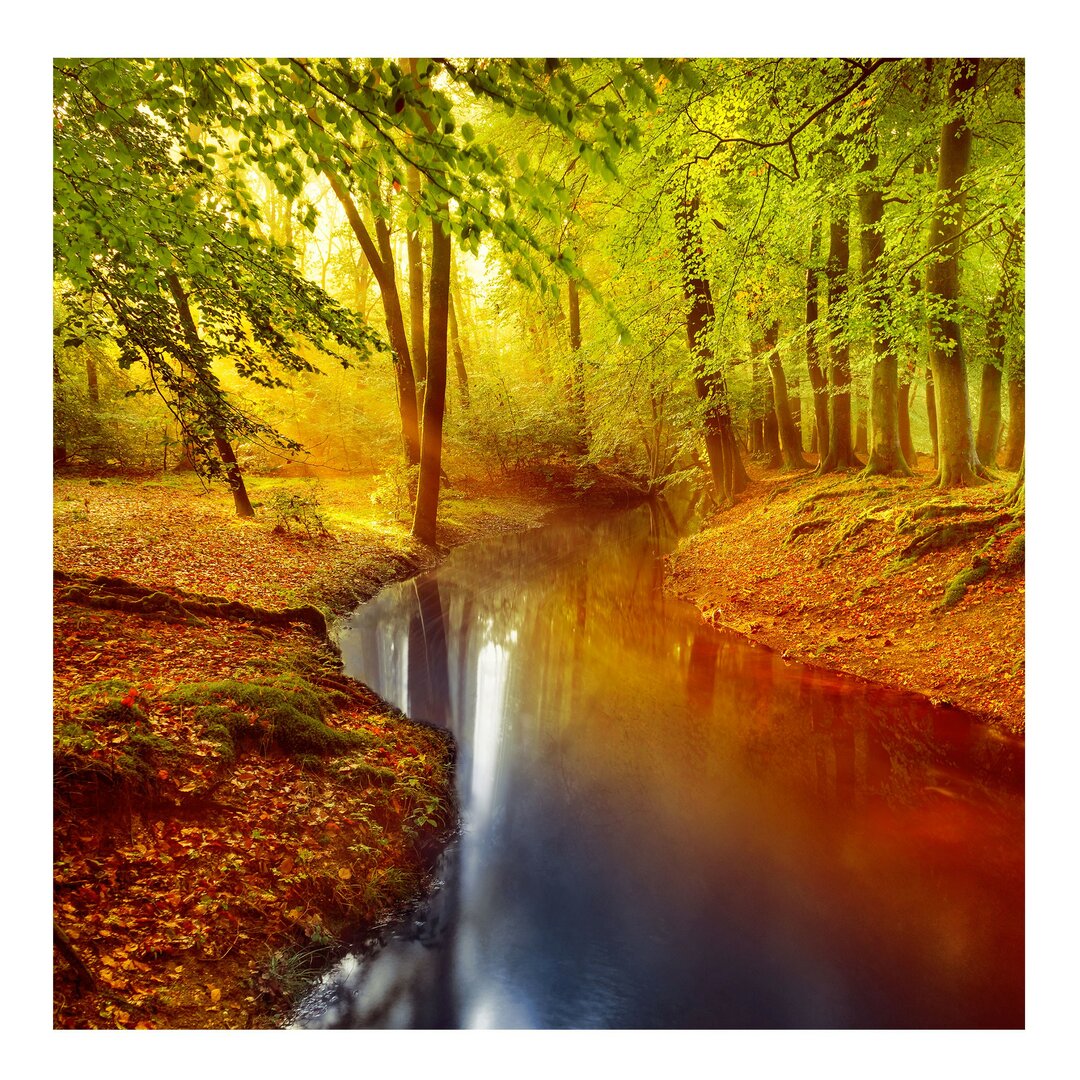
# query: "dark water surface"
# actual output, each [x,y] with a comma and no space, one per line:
[667,827]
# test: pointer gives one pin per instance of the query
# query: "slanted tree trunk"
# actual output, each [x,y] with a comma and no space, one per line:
[427,491]
[381,261]
[233,474]
[459,358]
[725,466]
[957,463]
[819,381]
[886,455]
[840,454]
[790,444]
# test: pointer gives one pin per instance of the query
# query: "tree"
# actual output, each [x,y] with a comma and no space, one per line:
[957,464]
[139,223]
[841,453]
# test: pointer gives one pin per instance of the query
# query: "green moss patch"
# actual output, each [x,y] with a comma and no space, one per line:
[285,712]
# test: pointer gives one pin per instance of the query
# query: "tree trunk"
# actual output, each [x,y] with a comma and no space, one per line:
[770,431]
[790,445]
[92,378]
[724,464]
[757,434]
[224,448]
[818,380]
[886,455]
[957,463]
[840,454]
[986,442]
[417,346]
[903,415]
[427,491]
[931,411]
[459,358]
[381,261]
[577,372]
[1014,440]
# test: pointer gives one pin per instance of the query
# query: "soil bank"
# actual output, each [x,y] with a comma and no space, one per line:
[815,569]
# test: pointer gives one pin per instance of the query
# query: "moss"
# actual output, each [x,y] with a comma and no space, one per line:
[955,590]
[73,738]
[286,712]
[1014,555]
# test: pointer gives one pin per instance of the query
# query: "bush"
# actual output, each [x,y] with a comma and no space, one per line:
[303,508]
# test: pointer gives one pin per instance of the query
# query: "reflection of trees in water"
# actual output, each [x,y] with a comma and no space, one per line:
[595,657]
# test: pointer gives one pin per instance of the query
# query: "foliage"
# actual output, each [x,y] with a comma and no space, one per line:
[302,508]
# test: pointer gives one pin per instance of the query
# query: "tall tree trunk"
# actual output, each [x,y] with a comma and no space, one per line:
[577,370]
[840,454]
[91,377]
[931,412]
[886,455]
[790,441]
[770,431]
[957,463]
[417,345]
[459,358]
[724,464]
[818,380]
[757,442]
[989,435]
[427,491]
[1014,439]
[224,448]
[381,261]
[903,413]
[415,253]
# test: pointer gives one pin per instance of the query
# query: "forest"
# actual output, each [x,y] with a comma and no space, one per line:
[317,322]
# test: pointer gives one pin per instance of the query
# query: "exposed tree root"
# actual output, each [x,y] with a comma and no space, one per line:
[955,590]
[84,977]
[807,527]
[945,536]
[782,489]
[874,516]
[121,595]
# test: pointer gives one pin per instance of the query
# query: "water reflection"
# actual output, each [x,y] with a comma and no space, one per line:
[665,827]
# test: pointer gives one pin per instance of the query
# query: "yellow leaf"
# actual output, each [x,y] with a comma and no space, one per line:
[215,994]
[344,873]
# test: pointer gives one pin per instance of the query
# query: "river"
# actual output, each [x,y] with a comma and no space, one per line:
[664,826]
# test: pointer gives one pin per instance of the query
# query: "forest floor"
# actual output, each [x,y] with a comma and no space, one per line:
[887,579]
[227,805]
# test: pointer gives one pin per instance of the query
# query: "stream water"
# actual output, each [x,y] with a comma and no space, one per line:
[665,826]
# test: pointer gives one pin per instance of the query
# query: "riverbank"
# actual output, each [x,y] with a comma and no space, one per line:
[227,805]
[885,579]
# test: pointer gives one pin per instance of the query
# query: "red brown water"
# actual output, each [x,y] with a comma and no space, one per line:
[664,826]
